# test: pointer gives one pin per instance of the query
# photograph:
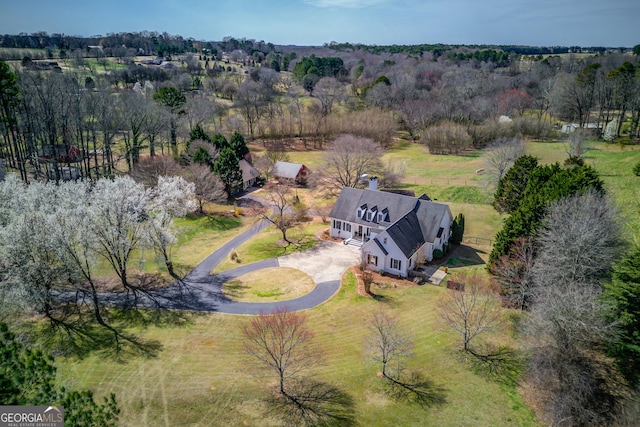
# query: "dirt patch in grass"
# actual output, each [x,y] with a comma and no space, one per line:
[271,284]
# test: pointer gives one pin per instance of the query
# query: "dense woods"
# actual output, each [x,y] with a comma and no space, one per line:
[93,107]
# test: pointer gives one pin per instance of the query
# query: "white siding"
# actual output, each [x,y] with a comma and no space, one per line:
[393,253]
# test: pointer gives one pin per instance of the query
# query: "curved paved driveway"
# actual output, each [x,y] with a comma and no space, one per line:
[202,291]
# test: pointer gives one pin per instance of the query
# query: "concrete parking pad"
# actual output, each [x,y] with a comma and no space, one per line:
[326,262]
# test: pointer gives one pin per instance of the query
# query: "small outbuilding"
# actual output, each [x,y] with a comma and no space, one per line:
[291,173]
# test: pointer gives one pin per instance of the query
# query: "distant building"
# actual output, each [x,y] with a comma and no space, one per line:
[592,129]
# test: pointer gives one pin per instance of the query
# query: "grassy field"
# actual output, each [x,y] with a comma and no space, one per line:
[614,164]
[203,377]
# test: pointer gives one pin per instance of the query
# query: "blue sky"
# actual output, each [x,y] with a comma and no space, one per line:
[314,22]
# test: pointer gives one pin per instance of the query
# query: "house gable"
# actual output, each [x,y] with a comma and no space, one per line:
[399,225]
[294,172]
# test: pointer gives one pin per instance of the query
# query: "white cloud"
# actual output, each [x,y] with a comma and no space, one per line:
[348,4]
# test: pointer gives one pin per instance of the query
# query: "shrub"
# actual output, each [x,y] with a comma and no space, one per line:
[636,169]
[437,254]
[446,138]
[457,229]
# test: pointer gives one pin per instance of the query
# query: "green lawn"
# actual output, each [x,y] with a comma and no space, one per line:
[272,284]
[269,244]
[203,377]
[614,164]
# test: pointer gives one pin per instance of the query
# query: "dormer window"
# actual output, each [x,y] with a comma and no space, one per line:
[384,215]
[372,214]
[361,211]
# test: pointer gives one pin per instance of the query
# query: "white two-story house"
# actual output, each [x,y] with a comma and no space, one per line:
[395,231]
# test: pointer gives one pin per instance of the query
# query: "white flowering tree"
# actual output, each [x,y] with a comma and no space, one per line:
[172,197]
[118,215]
[31,268]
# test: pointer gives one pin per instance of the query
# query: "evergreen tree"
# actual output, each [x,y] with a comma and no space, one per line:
[623,293]
[28,377]
[238,145]
[197,133]
[202,157]
[228,169]
[544,184]
[457,229]
[512,185]
[219,141]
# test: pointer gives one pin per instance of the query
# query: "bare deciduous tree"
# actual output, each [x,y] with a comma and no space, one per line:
[577,147]
[150,168]
[282,342]
[346,160]
[471,311]
[569,322]
[386,343]
[513,273]
[208,186]
[500,156]
[579,241]
[389,346]
[283,216]
[446,138]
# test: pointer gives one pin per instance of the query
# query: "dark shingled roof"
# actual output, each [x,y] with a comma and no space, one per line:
[350,199]
[384,251]
[415,221]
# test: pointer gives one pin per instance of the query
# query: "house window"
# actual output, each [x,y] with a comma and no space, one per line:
[361,211]
[337,224]
[372,259]
[346,227]
[369,216]
[385,240]
[396,264]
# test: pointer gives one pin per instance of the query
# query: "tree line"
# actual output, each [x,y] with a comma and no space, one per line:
[448,105]
[562,260]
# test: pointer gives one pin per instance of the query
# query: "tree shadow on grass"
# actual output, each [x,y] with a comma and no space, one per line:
[313,403]
[82,336]
[502,364]
[234,289]
[413,386]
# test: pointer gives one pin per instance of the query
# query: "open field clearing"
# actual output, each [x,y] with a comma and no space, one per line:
[203,377]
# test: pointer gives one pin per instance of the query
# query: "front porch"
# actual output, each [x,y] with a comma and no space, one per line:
[352,233]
